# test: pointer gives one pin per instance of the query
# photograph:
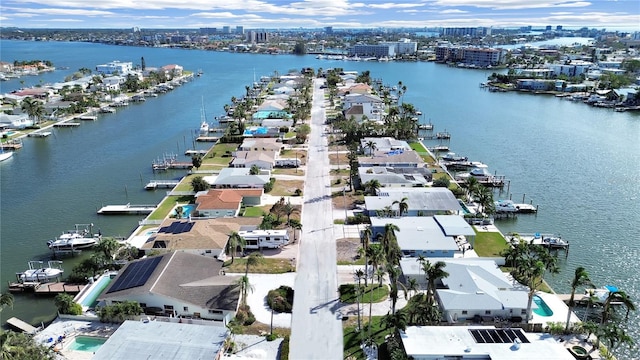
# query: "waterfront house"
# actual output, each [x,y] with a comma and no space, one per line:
[206,237]
[383,144]
[156,339]
[238,178]
[115,67]
[393,158]
[177,284]
[396,177]
[225,202]
[372,105]
[247,159]
[18,121]
[260,144]
[421,201]
[418,236]
[480,342]
[474,289]
[172,70]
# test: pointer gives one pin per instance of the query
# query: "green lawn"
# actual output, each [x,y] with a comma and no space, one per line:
[353,338]
[253,211]
[185,183]
[422,150]
[165,207]
[489,244]
[372,293]
[268,266]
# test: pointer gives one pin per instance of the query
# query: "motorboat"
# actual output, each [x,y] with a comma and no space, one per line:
[73,240]
[4,155]
[505,206]
[452,157]
[38,273]
[554,242]
[480,173]
[601,294]
[204,128]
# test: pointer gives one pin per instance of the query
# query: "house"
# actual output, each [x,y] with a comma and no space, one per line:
[163,340]
[392,158]
[35,92]
[19,121]
[172,70]
[225,202]
[422,201]
[383,144]
[207,237]
[112,83]
[479,342]
[372,105]
[177,284]
[418,236]
[396,177]
[238,178]
[474,289]
[247,159]
[115,67]
[260,144]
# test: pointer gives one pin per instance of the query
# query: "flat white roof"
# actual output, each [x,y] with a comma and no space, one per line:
[418,233]
[162,340]
[454,225]
[435,342]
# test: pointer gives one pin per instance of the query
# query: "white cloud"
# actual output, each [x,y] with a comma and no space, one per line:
[453,11]
[513,4]
[395,5]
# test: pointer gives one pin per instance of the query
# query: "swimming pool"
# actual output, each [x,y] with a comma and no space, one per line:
[465,209]
[186,210]
[543,309]
[261,130]
[86,343]
[89,300]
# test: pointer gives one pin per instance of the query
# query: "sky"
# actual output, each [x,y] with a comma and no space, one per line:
[273,14]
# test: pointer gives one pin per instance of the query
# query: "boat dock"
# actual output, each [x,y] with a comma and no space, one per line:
[12,145]
[127,209]
[155,184]
[45,288]
[425,126]
[207,139]
[66,124]
[21,325]
[550,241]
[88,117]
[196,152]
[39,134]
[437,136]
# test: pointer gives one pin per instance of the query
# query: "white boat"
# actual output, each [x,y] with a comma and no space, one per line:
[204,126]
[73,240]
[452,157]
[480,173]
[554,242]
[38,273]
[601,294]
[4,155]
[505,206]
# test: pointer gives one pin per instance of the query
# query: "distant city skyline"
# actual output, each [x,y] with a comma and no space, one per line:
[269,14]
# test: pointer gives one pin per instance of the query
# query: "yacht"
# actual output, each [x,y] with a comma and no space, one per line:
[505,206]
[452,157]
[4,155]
[73,240]
[37,272]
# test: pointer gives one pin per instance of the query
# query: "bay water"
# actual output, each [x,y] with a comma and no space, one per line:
[580,164]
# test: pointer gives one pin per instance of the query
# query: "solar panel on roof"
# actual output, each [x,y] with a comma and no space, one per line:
[177,227]
[497,336]
[136,274]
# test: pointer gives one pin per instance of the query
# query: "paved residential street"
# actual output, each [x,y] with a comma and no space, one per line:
[316,328]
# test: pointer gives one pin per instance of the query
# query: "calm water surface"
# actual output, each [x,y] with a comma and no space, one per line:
[579,164]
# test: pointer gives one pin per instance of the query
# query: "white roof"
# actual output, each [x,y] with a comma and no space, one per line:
[239,176]
[454,225]
[436,342]
[419,233]
[162,340]
[425,199]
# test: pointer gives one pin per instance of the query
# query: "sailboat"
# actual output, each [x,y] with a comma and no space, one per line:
[4,155]
[204,126]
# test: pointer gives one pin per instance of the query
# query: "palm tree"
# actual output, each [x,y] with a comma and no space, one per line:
[395,285]
[580,278]
[371,145]
[296,225]
[245,286]
[109,247]
[485,199]
[254,258]
[289,210]
[397,321]
[359,274]
[6,300]
[235,241]
[472,186]
[33,108]
[372,186]
[403,205]
[365,238]
[616,297]
[434,272]
[533,275]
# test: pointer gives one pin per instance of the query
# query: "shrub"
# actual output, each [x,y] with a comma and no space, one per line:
[281,299]
[298,192]
[271,337]
[441,182]
[283,353]
[269,186]
[359,192]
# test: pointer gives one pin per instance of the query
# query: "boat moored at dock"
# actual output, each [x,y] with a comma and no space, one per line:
[38,273]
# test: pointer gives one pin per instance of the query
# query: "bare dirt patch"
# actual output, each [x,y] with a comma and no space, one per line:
[348,201]
[347,249]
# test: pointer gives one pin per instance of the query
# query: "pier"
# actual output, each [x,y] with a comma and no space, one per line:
[207,139]
[12,145]
[127,209]
[40,288]
[155,184]
[437,136]
[196,152]
[67,124]
[39,134]
[88,117]
[21,325]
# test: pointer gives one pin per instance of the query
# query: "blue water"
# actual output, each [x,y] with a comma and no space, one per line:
[86,343]
[186,210]
[543,309]
[256,131]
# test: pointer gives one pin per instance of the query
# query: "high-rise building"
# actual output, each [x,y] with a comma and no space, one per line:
[240,30]
[226,29]
[559,27]
[328,30]
[257,36]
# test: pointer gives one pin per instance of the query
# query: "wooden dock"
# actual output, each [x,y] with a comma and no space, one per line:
[39,288]
[127,209]
[155,184]
[207,139]
[12,145]
[67,124]
[39,134]
[21,325]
